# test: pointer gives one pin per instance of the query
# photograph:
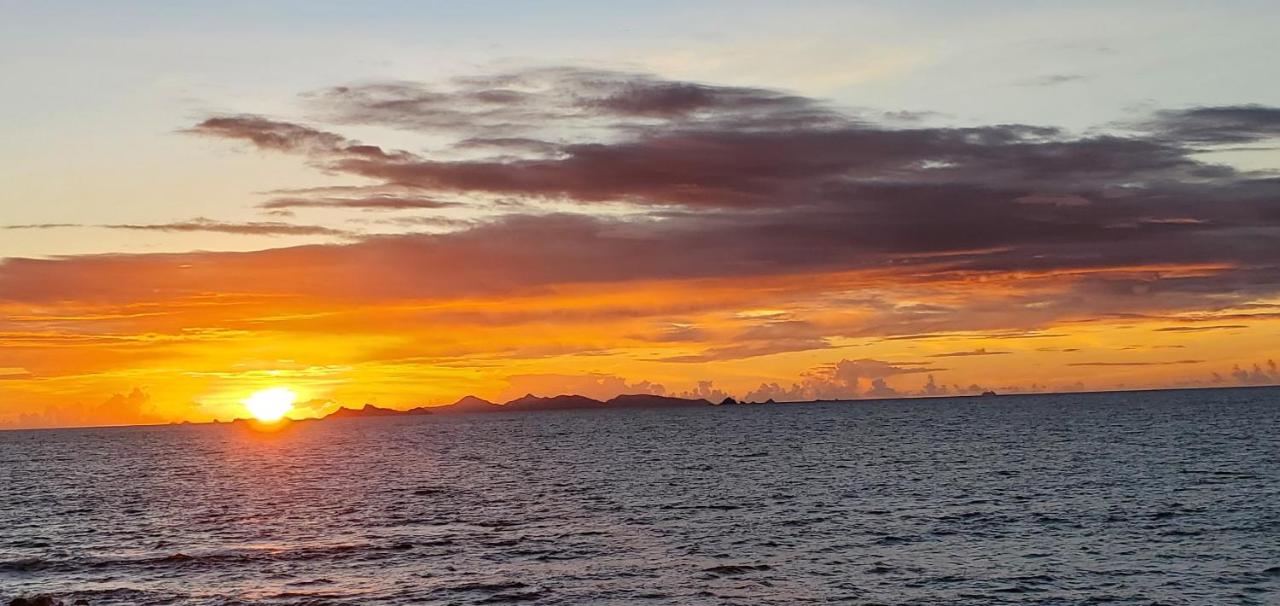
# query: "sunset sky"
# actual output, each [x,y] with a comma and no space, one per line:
[404,203]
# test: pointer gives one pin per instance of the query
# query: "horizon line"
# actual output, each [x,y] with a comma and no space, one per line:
[712,404]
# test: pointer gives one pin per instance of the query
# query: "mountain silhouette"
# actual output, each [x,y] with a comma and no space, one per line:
[370,410]
[468,404]
[560,402]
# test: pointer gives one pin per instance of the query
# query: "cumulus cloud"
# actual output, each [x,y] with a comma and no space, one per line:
[1263,373]
[132,408]
[845,379]
[705,390]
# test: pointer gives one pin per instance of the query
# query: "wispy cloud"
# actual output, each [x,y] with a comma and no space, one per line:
[1051,79]
[376,202]
[1201,328]
[200,224]
[1121,364]
[981,351]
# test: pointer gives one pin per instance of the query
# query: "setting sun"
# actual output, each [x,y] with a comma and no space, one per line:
[270,405]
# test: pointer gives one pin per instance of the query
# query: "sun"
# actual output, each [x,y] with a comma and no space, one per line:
[270,405]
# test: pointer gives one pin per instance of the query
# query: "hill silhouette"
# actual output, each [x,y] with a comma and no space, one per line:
[652,401]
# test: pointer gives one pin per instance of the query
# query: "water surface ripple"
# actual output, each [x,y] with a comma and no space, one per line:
[1133,498]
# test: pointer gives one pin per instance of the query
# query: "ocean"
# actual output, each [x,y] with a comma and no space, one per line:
[1164,497]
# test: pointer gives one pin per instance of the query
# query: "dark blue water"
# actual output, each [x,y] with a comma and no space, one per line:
[1137,498]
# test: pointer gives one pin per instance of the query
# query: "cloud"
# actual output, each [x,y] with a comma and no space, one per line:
[374,202]
[1122,364]
[1217,125]
[1261,374]
[252,228]
[846,379]
[705,390]
[750,181]
[503,107]
[41,226]
[132,408]
[981,351]
[14,373]
[606,182]
[1201,328]
[275,135]
[201,224]
[778,336]
[674,333]
[759,181]
[1051,80]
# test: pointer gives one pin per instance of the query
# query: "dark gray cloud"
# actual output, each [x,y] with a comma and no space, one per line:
[514,104]
[747,182]
[1223,124]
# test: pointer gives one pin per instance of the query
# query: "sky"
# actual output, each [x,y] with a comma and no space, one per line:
[401,203]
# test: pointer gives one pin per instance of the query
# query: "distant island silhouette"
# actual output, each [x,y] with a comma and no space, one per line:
[530,403]
[526,403]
